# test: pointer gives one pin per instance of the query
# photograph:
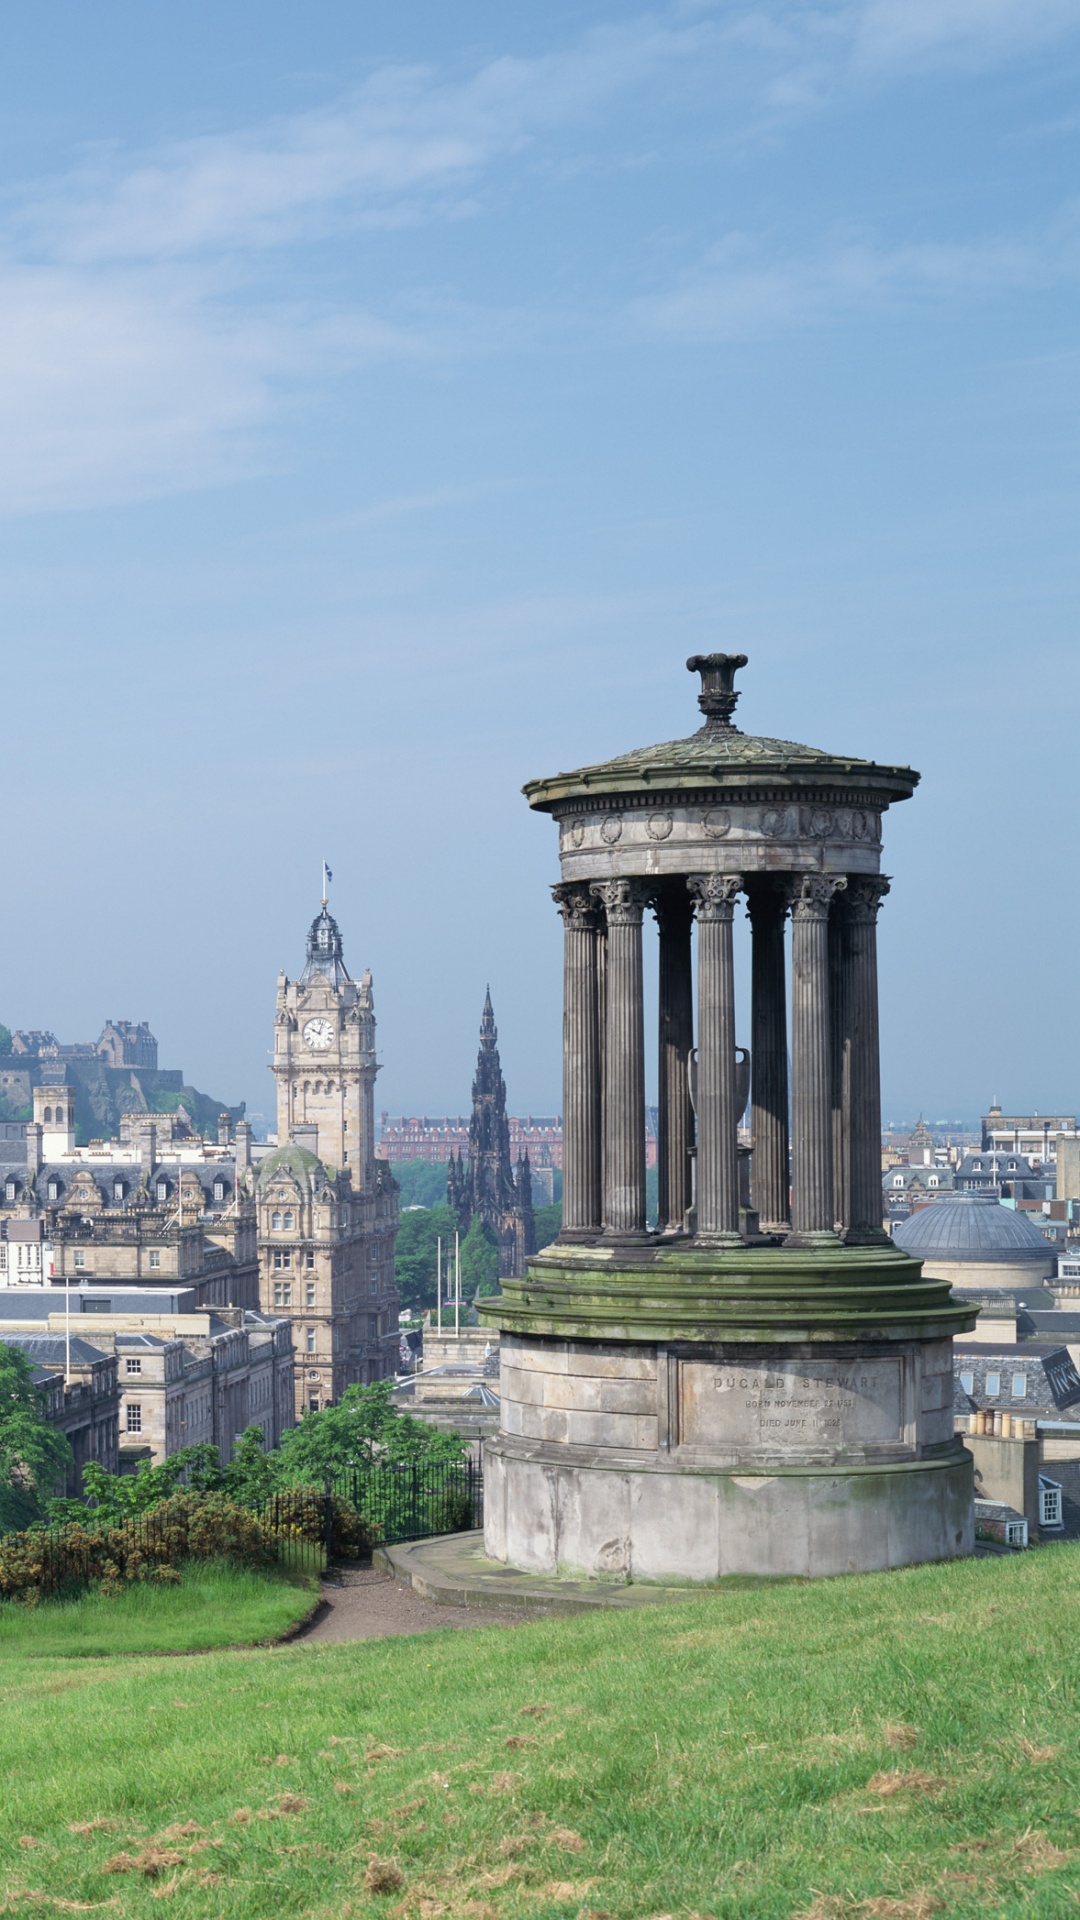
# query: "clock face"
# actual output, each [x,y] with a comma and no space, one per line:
[319,1034]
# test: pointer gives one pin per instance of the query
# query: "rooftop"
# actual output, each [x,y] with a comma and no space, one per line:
[971,1226]
[720,755]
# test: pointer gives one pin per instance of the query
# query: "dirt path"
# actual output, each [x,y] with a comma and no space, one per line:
[366,1604]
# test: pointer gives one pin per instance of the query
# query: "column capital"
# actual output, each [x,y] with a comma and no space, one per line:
[865,893]
[812,894]
[575,902]
[623,900]
[714,894]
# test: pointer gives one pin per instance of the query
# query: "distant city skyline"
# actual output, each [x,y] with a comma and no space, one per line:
[392,401]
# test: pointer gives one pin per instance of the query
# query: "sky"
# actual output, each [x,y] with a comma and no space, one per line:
[391,398]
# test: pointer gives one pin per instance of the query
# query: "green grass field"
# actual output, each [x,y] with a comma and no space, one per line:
[889,1747]
[215,1606]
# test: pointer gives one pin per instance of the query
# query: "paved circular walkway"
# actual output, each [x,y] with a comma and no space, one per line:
[365,1603]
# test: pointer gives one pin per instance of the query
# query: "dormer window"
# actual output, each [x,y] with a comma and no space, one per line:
[118,1190]
[162,1189]
[219,1189]
[10,1191]
[288,1222]
[54,1189]
[275,1223]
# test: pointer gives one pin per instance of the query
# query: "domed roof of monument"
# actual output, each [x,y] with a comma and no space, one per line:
[974,1226]
[720,755]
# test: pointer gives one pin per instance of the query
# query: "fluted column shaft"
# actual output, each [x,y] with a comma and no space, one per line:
[714,896]
[812,1180]
[768,1058]
[581,1061]
[624,1058]
[840,1015]
[864,897]
[675,1118]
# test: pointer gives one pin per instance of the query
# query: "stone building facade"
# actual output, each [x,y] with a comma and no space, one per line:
[327,1208]
[86,1409]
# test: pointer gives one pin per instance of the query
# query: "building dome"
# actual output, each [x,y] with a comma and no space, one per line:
[976,1244]
[975,1228]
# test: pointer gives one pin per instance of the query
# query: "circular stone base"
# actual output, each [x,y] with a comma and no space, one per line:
[687,1414]
[546,1515]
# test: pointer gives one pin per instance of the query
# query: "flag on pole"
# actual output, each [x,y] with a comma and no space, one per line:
[327,876]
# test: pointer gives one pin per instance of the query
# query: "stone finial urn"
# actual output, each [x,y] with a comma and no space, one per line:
[733,1388]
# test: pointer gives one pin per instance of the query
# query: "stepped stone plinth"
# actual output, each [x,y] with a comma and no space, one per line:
[762,1383]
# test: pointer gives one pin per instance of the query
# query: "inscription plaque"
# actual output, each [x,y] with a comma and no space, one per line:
[818,1404]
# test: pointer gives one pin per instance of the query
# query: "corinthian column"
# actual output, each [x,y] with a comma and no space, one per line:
[675,1120]
[714,897]
[864,897]
[812,1213]
[581,1061]
[768,1057]
[624,1058]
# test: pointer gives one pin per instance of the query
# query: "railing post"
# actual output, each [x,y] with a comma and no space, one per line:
[328,1521]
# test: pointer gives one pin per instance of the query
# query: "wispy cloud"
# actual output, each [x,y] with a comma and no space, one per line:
[739,292]
[144,340]
[406,142]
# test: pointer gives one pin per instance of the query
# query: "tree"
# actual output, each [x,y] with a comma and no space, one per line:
[120,1496]
[5,1039]
[422,1182]
[548,1222]
[479,1261]
[252,1474]
[33,1455]
[415,1252]
[364,1429]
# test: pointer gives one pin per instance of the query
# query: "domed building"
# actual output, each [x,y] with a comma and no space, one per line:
[975,1244]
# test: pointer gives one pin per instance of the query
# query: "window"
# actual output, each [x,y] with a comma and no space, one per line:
[283,1293]
[374,1286]
[288,1222]
[219,1189]
[48,1116]
[282,1257]
[1049,1503]
[54,1189]
[275,1222]
[309,1294]
[311,1340]
[78,1258]
[898,1179]
[993,1383]
[155,1257]
[59,1116]
[373,1326]
[933,1180]
[162,1189]
[134,1416]
[313,1403]
[1019,1386]
[1016,1533]
[309,1257]
[10,1190]
[133,1366]
[967,1383]
[118,1190]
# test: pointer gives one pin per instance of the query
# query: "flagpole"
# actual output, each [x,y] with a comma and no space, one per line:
[438,1287]
[457,1284]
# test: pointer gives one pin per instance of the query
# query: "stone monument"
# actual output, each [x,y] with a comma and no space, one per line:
[762,1383]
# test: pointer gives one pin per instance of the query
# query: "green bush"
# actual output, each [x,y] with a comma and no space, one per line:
[190,1526]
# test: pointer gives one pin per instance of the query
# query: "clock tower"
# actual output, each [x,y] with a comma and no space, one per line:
[324,1058]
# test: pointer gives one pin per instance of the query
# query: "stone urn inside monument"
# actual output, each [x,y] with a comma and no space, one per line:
[761,1382]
